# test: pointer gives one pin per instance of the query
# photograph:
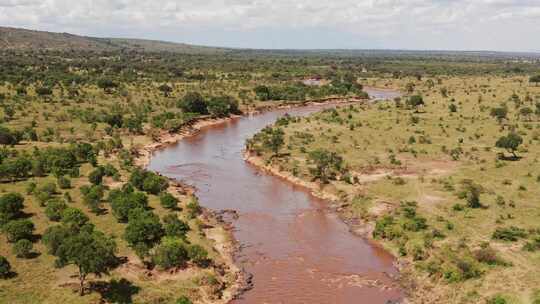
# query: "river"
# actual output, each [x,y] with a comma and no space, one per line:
[297,250]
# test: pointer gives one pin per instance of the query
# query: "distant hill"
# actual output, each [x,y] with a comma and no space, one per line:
[23,39]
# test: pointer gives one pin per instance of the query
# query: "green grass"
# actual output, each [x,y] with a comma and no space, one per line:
[374,141]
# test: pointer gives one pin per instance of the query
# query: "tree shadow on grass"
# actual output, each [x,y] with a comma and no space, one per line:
[116,291]
[509,158]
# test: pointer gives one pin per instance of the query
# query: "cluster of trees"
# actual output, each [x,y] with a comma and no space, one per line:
[76,242]
[217,106]
[58,161]
[148,181]
[300,91]
[17,229]
[166,243]
[269,138]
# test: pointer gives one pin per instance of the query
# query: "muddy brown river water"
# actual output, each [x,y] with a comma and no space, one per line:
[297,250]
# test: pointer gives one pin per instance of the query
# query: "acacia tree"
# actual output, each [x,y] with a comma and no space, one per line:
[91,251]
[166,90]
[416,101]
[274,139]
[327,165]
[510,143]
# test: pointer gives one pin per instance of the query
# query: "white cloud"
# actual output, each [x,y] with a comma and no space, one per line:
[434,24]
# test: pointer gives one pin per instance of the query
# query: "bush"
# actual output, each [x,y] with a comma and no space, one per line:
[488,255]
[174,226]
[23,248]
[63,182]
[122,201]
[171,252]
[74,219]
[183,300]
[18,230]
[11,206]
[510,234]
[168,200]
[54,210]
[198,255]
[193,103]
[193,208]
[497,300]
[143,231]
[148,181]
[5,268]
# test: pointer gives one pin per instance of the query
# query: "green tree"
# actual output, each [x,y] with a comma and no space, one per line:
[171,252]
[168,200]
[107,85]
[510,143]
[18,229]
[193,103]
[23,248]
[122,202]
[143,231]
[327,165]
[175,227]
[11,206]
[92,252]
[415,101]
[74,219]
[55,209]
[273,139]
[165,89]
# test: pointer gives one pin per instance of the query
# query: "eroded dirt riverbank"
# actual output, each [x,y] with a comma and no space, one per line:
[297,251]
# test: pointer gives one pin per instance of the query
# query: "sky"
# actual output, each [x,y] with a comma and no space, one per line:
[497,25]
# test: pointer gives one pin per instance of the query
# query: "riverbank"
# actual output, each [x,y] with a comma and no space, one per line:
[359,227]
[431,187]
[221,233]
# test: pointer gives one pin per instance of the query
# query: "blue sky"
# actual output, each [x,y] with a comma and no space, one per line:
[501,25]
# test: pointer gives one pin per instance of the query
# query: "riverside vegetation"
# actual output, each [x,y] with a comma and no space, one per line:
[81,222]
[446,177]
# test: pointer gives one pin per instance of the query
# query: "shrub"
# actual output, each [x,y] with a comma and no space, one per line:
[171,252]
[488,256]
[122,201]
[168,200]
[510,234]
[54,210]
[143,231]
[174,226]
[11,206]
[23,248]
[183,300]
[5,268]
[18,229]
[193,208]
[148,181]
[498,299]
[74,219]
[198,255]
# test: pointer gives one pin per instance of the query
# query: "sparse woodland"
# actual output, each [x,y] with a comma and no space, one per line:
[447,175]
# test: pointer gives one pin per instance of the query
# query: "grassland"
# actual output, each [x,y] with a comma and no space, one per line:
[404,175]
